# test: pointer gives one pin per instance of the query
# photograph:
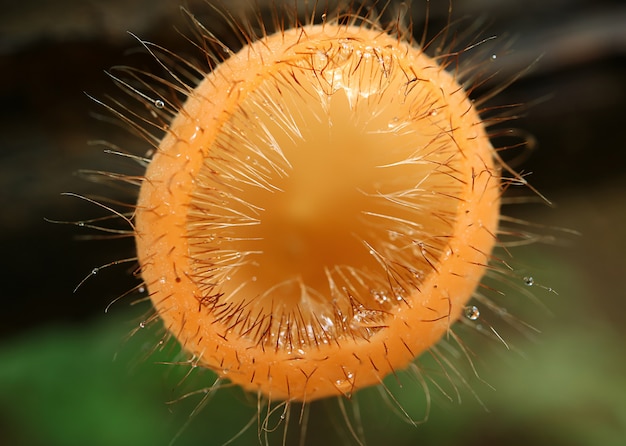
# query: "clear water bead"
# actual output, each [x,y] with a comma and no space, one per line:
[472,312]
[529,281]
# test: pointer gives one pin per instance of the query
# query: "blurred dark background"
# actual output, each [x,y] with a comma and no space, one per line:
[59,384]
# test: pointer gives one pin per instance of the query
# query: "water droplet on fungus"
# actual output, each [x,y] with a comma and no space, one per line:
[472,313]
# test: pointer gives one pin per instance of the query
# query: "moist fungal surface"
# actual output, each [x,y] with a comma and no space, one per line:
[319,212]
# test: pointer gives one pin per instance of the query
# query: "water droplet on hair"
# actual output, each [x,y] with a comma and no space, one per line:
[346,50]
[159,104]
[355,322]
[379,296]
[384,63]
[529,281]
[320,60]
[343,385]
[142,324]
[472,312]
[417,275]
[494,57]
[393,123]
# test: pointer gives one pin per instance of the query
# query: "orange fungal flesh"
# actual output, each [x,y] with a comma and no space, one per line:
[319,213]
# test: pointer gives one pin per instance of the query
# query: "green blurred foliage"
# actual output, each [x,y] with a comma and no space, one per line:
[87,386]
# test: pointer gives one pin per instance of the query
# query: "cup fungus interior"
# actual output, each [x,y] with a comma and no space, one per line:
[319,213]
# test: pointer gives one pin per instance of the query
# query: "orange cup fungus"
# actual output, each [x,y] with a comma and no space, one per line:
[319,212]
